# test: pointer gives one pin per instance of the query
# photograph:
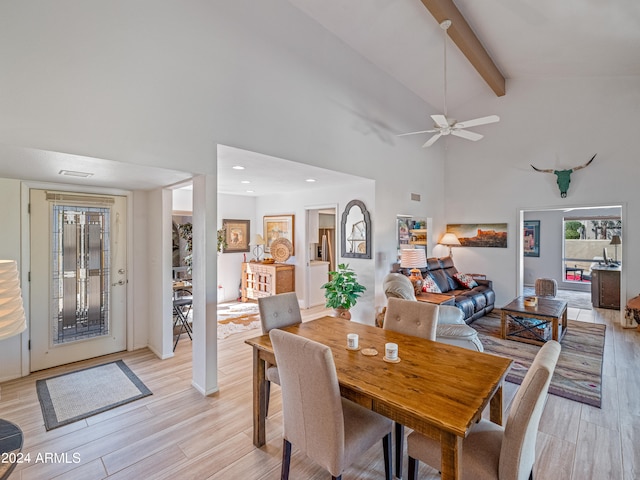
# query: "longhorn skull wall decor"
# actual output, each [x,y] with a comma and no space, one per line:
[564,176]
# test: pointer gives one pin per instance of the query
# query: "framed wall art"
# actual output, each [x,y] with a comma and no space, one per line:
[237,235]
[480,234]
[531,236]
[278,226]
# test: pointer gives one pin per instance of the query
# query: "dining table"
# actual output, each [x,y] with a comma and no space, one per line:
[436,389]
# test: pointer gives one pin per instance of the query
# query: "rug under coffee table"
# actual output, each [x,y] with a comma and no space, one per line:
[532,324]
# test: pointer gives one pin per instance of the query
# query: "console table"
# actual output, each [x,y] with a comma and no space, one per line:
[605,287]
[266,279]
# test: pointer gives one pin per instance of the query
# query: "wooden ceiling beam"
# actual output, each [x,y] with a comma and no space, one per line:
[462,35]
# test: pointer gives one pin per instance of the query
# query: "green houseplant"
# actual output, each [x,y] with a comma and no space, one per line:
[342,291]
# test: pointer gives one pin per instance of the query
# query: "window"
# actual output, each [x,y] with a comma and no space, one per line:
[584,241]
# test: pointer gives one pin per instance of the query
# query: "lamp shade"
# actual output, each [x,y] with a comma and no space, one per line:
[615,240]
[449,239]
[259,240]
[413,258]
[12,319]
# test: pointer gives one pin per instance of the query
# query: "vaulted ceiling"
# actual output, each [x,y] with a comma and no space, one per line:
[524,38]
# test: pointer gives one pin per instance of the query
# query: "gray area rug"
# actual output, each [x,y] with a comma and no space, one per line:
[73,396]
[574,299]
[578,374]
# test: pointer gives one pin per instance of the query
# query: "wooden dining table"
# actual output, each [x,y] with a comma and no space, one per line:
[436,389]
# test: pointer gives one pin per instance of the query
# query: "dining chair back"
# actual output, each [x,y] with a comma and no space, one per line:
[491,452]
[278,311]
[418,319]
[332,431]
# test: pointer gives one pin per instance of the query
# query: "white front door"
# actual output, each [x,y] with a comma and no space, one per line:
[78,277]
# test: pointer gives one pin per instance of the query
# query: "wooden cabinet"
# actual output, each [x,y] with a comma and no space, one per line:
[605,287]
[264,280]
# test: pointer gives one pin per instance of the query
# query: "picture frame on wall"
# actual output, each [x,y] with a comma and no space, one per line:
[237,235]
[531,238]
[278,226]
[480,234]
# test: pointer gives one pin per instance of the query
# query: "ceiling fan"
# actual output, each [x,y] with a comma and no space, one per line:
[449,126]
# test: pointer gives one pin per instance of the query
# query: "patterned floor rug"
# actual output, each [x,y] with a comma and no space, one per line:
[578,374]
[236,318]
[573,298]
[73,396]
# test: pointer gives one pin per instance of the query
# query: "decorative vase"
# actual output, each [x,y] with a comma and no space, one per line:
[342,313]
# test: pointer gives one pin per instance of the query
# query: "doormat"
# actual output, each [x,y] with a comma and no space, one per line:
[578,374]
[73,396]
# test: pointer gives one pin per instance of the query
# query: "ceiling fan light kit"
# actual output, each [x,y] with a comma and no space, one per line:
[448,126]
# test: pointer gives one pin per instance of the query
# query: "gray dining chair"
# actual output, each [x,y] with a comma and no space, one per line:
[418,319]
[329,429]
[277,311]
[490,451]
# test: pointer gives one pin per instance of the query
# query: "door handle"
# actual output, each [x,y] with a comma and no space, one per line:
[119,282]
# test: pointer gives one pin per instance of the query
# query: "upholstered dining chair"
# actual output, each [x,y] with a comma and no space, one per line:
[277,311]
[418,319]
[491,451]
[329,429]
[451,328]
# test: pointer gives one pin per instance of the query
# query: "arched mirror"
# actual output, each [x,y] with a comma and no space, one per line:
[356,231]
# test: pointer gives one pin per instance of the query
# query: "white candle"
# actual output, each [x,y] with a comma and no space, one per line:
[391,351]
[352,340]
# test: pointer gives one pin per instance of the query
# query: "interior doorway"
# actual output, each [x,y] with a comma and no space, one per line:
[547,251]
[321,241]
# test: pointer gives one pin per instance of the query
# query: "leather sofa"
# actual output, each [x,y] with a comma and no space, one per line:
[451,327]
[474,302]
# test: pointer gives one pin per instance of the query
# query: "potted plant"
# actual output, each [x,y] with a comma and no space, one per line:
[342,291]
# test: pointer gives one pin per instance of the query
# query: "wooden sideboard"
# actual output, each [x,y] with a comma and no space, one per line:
[605,287]
[263,279]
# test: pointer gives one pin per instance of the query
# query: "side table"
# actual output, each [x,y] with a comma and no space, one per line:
[10,447]
[437,298]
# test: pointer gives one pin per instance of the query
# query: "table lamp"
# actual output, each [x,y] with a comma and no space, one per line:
[12,322]
[615,241]
[12,318]
[449,239]
[415,259]
[259,243]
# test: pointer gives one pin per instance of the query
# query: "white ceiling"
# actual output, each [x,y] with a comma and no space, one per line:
[270,175]
[525,38]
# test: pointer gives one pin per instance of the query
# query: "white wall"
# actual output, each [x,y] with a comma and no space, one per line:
[553,123]
[235,207]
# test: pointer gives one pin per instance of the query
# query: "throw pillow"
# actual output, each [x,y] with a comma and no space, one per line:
[430,285]
[465,280]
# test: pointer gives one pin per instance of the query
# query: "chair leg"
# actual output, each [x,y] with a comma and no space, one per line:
[286,459]
[386,446]
[399,448]
[266,409]
[531,475]
[339,477]
[413,469]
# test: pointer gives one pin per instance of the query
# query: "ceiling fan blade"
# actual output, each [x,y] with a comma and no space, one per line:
[432,140]
[415,133]
[440,120]
[466,134]
[478,121]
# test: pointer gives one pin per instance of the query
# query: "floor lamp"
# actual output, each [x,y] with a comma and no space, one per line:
[449,239]
[12,322]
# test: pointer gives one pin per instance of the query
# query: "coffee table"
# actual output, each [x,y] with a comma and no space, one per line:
[547,311]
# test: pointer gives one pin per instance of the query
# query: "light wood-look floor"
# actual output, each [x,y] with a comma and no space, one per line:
[178,434]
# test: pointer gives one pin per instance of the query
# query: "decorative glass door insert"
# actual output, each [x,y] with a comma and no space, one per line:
[80,273]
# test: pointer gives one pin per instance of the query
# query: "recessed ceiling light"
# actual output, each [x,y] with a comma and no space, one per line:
[249,191]
[71,173]
[245,181]
[238,167]
[310,180]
